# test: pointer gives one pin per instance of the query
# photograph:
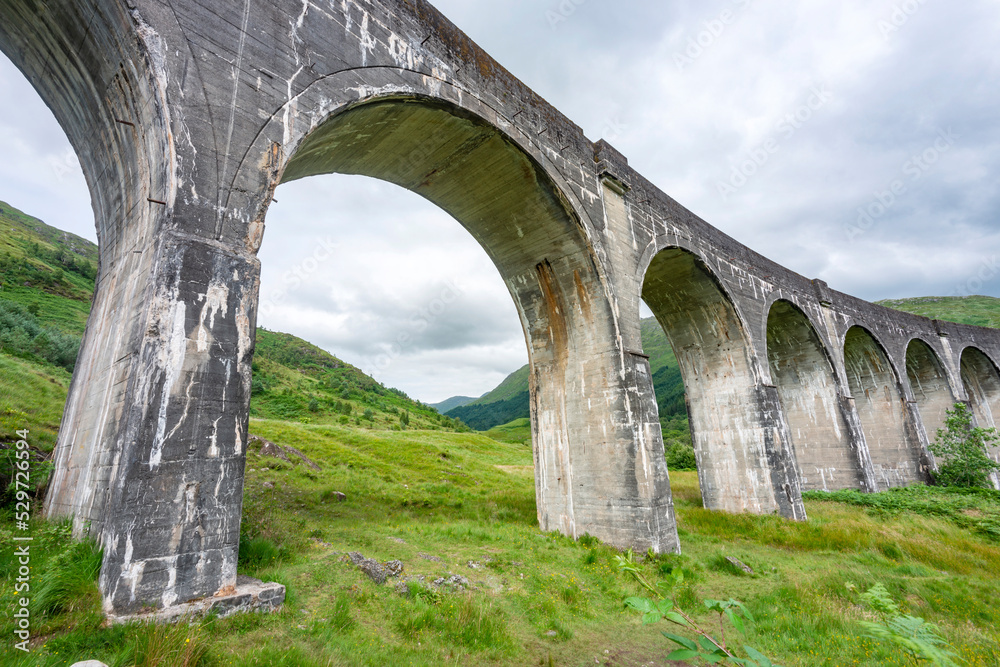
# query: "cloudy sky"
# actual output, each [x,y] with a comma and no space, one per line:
[854,141]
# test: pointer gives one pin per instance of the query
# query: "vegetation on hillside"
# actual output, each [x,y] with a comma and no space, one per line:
[22,335]
[509,401]
[47,271]
[981,311]
[295,380]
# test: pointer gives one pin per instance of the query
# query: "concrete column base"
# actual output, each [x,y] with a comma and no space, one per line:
[248,595]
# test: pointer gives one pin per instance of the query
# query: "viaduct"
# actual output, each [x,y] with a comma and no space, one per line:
[186,114]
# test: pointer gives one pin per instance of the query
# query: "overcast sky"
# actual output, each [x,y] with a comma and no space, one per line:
[854,141]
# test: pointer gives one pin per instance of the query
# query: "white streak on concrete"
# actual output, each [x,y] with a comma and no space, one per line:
[171,360]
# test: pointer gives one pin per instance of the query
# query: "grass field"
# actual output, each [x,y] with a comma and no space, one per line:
[450,504]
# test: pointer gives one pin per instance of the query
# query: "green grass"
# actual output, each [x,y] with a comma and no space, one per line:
[517,431]
[32,397]
[441,501]
[982,311]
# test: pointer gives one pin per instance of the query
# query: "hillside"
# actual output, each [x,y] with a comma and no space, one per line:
[45,270]
[981,311]
[510,400]
[46,286]
[450,403]
[507,402]
[295,380]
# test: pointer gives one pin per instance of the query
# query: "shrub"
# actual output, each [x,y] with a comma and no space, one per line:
[681,457]
[963,449]
[22,335]
[918,638]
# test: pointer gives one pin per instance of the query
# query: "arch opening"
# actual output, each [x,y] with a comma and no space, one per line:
[519,215]
[882,410]
[982,383]
[807,388]
[929,385]
[738,467]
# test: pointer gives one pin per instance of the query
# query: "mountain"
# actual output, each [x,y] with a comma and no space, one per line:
[982,311]
[451,403]
[507,402]
[510,400]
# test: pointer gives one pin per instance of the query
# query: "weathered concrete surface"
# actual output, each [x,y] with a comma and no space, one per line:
[187,114]
[982,382]
[883,411]
[931,389]
[803,373]
[249,595]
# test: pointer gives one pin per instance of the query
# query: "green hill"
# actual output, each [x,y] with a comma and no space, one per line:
[450,403]
[295,380]
[981,311]
[45,270]
[511,401]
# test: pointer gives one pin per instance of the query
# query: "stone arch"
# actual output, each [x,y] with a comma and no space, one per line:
[929,385]
[743,464]
[881,409]
[802,371]
[982,383]
[510,204]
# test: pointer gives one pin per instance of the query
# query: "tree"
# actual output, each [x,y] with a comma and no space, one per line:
[963,450]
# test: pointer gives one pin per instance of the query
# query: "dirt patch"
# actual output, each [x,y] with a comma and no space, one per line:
[528,471]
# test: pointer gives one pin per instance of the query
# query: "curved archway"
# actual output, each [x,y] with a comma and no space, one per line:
[807,387]
[982,383]
[881,409]
[739,456]
[929,384]
[513,209]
